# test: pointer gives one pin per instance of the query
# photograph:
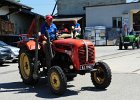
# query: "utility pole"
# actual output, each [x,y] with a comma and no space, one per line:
[54,7]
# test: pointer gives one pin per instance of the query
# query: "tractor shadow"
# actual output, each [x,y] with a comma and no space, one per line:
[4,65]
[129,48]
[41,90]
[93,89]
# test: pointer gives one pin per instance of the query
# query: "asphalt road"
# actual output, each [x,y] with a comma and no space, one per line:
[125,85]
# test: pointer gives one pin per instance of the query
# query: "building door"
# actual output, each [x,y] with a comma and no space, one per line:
[136,21]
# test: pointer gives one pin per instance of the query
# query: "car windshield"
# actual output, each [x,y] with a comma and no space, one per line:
[3,44]
[24,38]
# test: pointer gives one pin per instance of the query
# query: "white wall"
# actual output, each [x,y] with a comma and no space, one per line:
[102,15]
[4,10]
[73,7]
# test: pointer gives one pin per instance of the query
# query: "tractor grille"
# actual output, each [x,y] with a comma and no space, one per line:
[82,54]
[126,39]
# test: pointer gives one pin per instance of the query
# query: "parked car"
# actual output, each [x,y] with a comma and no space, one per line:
[5,53]
[12,39]
[14,51]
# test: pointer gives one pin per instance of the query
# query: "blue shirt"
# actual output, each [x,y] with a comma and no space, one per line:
[76,26]
[52,30]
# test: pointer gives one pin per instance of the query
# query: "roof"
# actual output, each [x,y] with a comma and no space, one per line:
[67,19]
[9,3]
[30,13]
[111,4]
[18,6]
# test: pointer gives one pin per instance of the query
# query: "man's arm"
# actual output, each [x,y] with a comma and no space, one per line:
[43,31]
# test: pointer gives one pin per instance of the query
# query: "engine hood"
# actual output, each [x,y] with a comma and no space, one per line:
[74,42]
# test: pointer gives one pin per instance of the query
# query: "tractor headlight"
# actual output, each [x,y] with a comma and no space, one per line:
[71,67]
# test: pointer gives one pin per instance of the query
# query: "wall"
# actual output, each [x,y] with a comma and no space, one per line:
[4,10]
[75,7]
[21,22]
[102,15]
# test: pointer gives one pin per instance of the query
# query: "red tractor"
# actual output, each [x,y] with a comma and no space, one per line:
[68,57]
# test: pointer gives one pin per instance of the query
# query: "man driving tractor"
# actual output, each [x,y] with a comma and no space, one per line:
[48,28]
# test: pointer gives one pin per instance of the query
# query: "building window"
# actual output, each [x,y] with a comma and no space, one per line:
[117,22]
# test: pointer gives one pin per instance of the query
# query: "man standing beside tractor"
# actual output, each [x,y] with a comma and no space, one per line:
[76,29]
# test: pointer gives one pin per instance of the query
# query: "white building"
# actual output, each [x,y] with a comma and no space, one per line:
[75,7]
[114,17]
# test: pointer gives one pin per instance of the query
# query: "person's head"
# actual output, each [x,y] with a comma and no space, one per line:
[132,29]
[75,21]
[62,26]
[49,19]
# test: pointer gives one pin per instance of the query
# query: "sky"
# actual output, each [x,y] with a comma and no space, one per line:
[43,7]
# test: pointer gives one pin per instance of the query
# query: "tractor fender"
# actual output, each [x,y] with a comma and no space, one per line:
[137,39]
[31,45]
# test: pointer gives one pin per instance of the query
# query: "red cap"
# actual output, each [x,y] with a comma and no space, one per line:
[49,17]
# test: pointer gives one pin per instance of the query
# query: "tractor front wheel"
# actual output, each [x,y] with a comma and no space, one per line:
[102,77]
[57,80]
[26,67]
[137,44]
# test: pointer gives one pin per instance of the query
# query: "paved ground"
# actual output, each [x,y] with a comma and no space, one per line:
[120,61]
[125,66]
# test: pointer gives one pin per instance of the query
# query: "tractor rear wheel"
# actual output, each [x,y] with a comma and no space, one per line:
[120,43]
[102,77]
[133,45]
[26,67]
[125,47]
[1,63]
[120,46]
[57,80]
